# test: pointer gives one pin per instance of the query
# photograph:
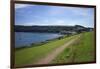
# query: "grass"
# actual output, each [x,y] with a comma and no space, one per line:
[80,51]
[32,54]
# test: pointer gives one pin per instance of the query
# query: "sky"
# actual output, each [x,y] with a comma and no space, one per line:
[29,14]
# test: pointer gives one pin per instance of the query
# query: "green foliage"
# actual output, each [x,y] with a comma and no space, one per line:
[80,51]
[51,29]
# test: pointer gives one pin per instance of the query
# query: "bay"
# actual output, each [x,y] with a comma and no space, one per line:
[27,38]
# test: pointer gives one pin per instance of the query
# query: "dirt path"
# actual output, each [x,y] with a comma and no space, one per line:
[52,55]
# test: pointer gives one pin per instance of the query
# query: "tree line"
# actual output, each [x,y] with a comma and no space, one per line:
[51,29]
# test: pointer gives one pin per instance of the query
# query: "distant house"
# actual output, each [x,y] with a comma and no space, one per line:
[85,30]
[89,29]
[67,32]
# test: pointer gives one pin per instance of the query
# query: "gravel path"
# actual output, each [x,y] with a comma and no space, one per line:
[52,55]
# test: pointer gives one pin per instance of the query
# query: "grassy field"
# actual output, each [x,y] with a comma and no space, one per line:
[32,54]
[80,51]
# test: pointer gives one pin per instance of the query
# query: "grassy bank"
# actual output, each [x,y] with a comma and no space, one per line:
[80,51]
[32,54]
[41,43]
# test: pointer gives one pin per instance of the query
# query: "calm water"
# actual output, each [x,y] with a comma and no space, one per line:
[27,38]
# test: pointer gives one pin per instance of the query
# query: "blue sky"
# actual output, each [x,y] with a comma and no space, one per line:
[28,15]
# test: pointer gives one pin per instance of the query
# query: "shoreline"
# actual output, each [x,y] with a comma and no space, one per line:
[40,43]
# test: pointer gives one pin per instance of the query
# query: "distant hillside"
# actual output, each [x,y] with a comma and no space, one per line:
[50,29]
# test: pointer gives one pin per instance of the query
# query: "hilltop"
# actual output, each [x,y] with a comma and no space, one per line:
[52,29]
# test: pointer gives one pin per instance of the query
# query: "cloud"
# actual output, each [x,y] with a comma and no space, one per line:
[81,11]
[60,22]
[56,22]
[56,10]
[53,15]
[17,6]
[46,21]
[73,10]
[26,24]
[20,6]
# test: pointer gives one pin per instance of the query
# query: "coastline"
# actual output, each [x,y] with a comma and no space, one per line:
[40,43]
